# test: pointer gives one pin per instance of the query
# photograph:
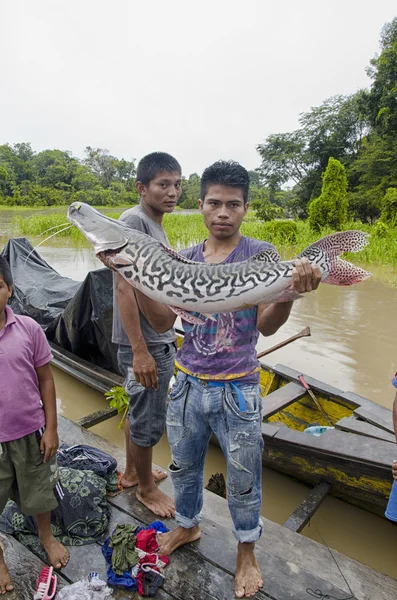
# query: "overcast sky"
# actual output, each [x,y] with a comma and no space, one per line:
[202,80]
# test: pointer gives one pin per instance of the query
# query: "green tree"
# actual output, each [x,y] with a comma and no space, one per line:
[190,192]
[265,210]
[389,207]
[330,208]
[382,98]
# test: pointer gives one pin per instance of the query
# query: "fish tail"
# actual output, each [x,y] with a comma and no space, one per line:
[326,254]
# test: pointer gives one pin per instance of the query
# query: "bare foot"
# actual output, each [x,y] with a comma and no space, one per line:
[128,480]
[156,501]
[5,579]
[168,542]
[56,552]
[248,577]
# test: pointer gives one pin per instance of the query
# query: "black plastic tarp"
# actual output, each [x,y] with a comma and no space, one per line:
[39,291]
[85,326]
[77,316]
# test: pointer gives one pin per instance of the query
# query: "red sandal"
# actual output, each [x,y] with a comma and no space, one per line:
[46,584]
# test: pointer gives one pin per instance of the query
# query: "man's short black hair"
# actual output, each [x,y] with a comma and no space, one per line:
[5,271]
[153,163]
[225,172]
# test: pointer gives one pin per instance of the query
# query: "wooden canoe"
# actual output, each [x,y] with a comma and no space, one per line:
[354,458]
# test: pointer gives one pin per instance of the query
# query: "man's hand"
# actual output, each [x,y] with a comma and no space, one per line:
[305,277]
[145,369]
[49,444]
[394,469]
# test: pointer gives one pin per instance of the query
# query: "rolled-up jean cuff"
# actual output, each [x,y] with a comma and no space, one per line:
[187,523]
[248,536]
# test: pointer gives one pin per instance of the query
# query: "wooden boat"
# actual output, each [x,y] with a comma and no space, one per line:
[352,460]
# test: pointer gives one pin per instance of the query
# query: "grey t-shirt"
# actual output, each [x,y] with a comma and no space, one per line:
[136,218]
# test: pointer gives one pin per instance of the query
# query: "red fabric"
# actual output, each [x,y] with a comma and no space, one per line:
[146,540]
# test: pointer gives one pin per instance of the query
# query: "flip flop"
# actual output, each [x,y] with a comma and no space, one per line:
[46,584]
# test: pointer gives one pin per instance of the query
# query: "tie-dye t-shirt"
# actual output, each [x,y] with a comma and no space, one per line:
[223,349]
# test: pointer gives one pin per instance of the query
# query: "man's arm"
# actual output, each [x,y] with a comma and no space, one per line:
[49,441]
[305,278]
[160,317]
[143,364]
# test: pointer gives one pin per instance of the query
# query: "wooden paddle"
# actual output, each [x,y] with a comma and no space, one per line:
[305,332]
[315,400]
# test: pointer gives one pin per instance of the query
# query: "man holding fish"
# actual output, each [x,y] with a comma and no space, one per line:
[227,290]
[216,388]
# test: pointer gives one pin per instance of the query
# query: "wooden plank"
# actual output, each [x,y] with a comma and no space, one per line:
[64,359]
[290,563]
[97,417]
[80,376]
[293,375]
[349,446]
[382,420]
[281,398]
[364,428]
[301,515]
[24,568]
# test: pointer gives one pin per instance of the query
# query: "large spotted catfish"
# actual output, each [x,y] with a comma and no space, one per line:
[187,286]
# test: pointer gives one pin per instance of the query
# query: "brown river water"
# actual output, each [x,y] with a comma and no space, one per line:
[353,346]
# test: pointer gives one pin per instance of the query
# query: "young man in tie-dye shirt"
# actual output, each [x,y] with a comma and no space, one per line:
[217,385]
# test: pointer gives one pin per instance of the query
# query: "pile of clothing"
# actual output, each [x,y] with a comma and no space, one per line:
[88,458]
[87,475]
[132,554]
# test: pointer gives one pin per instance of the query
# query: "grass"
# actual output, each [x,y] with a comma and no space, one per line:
[187,229]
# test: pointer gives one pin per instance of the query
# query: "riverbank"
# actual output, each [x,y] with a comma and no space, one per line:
[186,229]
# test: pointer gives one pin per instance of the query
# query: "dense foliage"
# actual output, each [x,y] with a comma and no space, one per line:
[55,177]
[330,208]
[358,130]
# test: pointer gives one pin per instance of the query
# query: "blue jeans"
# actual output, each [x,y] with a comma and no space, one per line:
[196,411]
[148,407]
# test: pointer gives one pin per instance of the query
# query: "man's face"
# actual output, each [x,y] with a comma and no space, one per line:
[162,192]
[5,294]
[223,210]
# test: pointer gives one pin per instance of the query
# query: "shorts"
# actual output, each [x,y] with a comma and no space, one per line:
[148,407]
[26,479]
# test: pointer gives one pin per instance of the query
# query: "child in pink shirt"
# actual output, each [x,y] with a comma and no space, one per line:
[28,425]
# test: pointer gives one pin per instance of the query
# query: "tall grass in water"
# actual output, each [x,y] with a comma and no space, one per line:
[184,230]
[37,225]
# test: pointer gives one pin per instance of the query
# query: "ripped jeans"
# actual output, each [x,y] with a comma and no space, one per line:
[196,411]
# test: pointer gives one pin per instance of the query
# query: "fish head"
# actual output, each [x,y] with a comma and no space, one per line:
[108,236]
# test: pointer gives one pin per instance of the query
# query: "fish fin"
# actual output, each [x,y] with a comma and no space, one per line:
[345,273]
[208,316]
[335,244]
[270,255]
[194,319]
[179,257]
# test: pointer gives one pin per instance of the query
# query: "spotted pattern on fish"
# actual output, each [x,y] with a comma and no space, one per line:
[171,279]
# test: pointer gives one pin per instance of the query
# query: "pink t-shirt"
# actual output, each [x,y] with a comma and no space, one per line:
[23,348]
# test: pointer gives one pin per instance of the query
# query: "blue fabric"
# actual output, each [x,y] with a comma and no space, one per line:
[125,580]
[394,381]
[107,551]
[195,412]
[235,386]
[391,510]
[157,525]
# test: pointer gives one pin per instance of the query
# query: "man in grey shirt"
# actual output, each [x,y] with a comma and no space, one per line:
[145,357]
